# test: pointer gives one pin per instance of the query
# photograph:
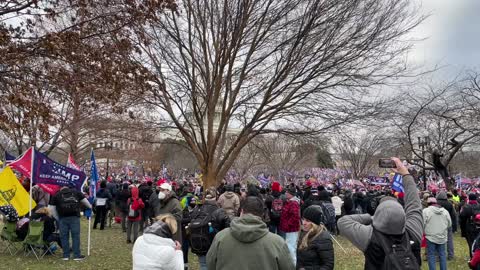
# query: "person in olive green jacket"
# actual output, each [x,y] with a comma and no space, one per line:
[248,244]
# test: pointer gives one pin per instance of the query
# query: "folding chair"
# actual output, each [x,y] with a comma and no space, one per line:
[34,242]
[9,235]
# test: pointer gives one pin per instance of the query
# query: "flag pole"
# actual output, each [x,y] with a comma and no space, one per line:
[91,201]
[89,231]
[31,180]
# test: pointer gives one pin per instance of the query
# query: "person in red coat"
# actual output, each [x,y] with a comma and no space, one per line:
[290,221]
[135,208]
[474,263]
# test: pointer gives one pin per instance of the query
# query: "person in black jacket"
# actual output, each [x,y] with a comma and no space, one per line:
[102,205]
[43,214]
[348,205]
[468,228]
[219,221]
[122,206]
[315,247]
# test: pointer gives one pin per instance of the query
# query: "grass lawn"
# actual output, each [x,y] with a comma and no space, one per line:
[110,251]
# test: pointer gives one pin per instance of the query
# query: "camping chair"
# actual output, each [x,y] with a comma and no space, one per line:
[9,235]
[34,242]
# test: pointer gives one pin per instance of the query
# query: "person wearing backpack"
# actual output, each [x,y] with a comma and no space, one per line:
[437,222]
[290,221]
[328,210]
[206,221]
[247,243]
[102,204]
[467,214]
[315,247]
[145,191]
[135,207]
[386,238]
[121,203]
[66,205]
[274,203]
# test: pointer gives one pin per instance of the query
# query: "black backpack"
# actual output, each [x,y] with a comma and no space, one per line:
[145,196]
[398,254]
[201,234]
[68,203]
[328,215]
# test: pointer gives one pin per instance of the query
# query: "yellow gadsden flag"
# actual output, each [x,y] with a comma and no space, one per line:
[12,192]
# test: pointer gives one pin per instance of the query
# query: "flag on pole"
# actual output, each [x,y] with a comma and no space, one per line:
[23,165]
[12,192]
[397,183]
[71,163]
[47,171]
[93,177]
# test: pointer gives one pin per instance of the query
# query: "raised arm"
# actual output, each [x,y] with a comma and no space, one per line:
[413,205]
[357,229]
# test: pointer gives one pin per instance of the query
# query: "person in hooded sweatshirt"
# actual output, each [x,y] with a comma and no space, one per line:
[442,200]
[390,219]
[229,201]
[136,206]
[155,249]
[437,221]
[248,244]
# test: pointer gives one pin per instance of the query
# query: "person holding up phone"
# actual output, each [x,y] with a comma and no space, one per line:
[386,238]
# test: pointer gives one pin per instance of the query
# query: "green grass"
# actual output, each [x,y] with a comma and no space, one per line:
[110,251]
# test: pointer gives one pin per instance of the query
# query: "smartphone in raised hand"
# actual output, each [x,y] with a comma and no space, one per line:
[386,163]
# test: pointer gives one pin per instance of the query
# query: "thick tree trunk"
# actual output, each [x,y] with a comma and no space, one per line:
[209,177]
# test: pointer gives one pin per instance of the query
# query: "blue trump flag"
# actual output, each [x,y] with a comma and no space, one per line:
[93,177]
[93,183]
[47,171]
[397,183]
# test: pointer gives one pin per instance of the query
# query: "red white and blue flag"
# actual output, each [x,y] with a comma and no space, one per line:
[71,163]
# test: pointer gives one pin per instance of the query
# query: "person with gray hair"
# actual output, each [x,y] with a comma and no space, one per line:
[390,225]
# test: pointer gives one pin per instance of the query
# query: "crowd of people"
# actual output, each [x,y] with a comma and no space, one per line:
[278,227]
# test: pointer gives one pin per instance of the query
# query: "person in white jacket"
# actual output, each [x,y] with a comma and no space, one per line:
[155,249]
[437,221]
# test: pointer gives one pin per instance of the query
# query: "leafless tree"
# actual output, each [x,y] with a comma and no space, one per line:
[359,153]
[448,115]
[224,72]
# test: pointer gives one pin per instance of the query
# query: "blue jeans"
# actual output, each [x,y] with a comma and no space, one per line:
[202,260]
[291,239]
[432,249]
[70,225]
[450,250]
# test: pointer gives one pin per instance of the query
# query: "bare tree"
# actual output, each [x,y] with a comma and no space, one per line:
[257,67]
[359,153]
[448,115]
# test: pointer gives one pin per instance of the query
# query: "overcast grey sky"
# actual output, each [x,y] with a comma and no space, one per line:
[452,35]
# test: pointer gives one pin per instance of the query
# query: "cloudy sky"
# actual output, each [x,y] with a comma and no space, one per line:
[452,35]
